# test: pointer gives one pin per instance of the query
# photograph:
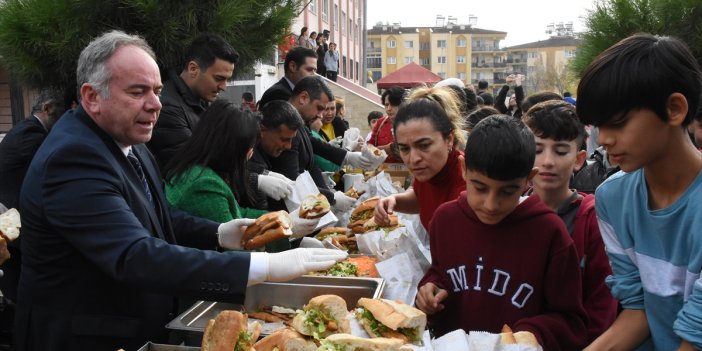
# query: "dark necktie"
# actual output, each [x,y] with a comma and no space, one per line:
[140,172]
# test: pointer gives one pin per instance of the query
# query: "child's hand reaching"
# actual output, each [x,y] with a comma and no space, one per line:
[429,298]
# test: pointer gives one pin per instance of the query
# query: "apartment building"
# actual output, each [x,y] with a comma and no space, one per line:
[345,21]
[544,63]
[450,50]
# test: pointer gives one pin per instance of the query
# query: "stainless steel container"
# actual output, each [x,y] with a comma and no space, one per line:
[160,347]
[292,294]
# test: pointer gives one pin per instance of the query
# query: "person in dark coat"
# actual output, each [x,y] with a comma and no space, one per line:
[299,63]
[209,63]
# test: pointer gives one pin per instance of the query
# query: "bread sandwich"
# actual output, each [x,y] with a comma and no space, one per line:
[267,228]
[314,206]
[10,224]
[285,340]
[362,214]
[322,316]
[348,342]
[371,225]
[229,331]
[390,319]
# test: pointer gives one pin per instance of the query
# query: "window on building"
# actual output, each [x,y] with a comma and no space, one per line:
[461,75]
[325,10]
[424,61]
[460,59]
[374,62]
[533,54]
[409,59]
[461,43]
[442,75]
[343,23]
[441,59]
[350,34]
[424,46]
[356,70]
[313,6]
[336,17]
[441,43]
[391,60]
[570,53]
[409,44]
[350,76]
[392,44]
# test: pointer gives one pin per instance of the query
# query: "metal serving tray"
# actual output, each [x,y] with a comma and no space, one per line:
[292,294]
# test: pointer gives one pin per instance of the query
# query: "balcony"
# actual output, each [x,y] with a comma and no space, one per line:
[485,48]
[374,50]
[488,65]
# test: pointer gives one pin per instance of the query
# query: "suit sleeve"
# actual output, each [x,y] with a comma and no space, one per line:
[327,151]
[85,200]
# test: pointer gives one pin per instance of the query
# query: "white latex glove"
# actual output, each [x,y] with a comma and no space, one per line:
[303,226]
[308,242]
[337,141]
[328,181]
[229,234]
[357,160]
[343,202]
[286,265]
[275,187]
[277,175]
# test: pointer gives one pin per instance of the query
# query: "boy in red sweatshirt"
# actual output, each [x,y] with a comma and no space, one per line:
[559,136]
[497,261]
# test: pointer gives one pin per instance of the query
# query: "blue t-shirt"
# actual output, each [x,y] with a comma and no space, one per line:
[656,256]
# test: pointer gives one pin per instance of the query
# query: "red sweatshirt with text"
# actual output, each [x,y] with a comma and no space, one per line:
[522,272]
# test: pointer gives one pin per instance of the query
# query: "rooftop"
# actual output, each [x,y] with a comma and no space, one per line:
[548,43]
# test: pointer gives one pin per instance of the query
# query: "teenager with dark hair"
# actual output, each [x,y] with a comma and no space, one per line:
[208,63]
[642,93]
[381,135]
[559,136]
[201,177]
[373,118]
[479,115]
[427,129]
[541,96]
[506,261]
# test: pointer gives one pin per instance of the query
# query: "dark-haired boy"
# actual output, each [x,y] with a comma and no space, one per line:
[642,93]
[497,261]
[559,136]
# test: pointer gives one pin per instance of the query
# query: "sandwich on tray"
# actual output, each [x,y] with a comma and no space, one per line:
[285,340]
[314,206]
[390,319]
[267,228]
[322,316]
[348,342]
[229,331]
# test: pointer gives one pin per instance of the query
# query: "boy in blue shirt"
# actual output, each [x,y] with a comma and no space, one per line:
[642,93]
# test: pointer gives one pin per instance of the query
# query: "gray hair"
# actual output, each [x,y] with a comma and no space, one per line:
[92,63]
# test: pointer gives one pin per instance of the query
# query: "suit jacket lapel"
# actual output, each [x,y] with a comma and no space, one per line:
[156,215]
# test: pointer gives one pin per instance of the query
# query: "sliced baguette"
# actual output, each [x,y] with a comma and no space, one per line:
[10,224]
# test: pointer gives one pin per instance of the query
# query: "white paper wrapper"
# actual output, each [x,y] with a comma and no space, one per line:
[376,160]
[426,342]
[384,186]
[401,276]
[483,341]
[356,328]
[304,185]
[353,141]
[455,340]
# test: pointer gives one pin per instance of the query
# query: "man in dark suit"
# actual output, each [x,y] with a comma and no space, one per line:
[299,63]
[209,63]
[16,152]
[103,252]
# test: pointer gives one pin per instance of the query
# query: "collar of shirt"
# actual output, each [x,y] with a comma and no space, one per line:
[40,121]
[290,83]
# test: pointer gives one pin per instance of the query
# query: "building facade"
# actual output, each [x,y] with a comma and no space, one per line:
[544,63]
[451,51]
[345,21]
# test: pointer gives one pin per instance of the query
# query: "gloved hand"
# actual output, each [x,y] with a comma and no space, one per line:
[328,181]
[337,141]
[286,265]
[343,202]
[303,226]
[357,160]
[275,185]
[308,242]
[229,234]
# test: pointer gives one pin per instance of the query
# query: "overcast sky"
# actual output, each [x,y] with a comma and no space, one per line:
[524,21]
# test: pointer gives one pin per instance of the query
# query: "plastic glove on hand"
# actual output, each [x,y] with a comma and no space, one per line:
[229,234]
[357,160]
[275,187]
[286,265]
[303,226]
[343,202]
[336,142]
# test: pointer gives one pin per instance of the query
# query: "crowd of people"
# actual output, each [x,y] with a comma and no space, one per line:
[141,194]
